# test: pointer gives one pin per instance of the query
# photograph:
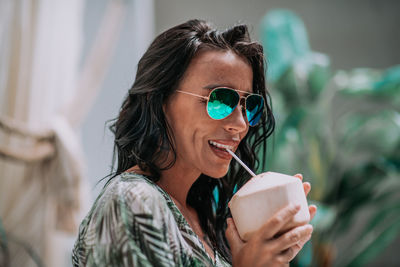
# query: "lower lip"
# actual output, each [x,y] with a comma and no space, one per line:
[220,153]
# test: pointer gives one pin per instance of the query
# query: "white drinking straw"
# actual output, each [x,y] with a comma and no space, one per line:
[241,162]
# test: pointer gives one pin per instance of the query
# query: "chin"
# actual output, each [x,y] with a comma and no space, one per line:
[221,172]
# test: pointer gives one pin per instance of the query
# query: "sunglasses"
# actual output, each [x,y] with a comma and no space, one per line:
[221,102]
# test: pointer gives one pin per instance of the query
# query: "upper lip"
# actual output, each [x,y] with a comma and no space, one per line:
[232,144]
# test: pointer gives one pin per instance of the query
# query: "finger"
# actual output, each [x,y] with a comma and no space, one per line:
[280,218]
[313,210]
[295,250]
[293,237]
[232,236]
[307,187]
[299,175]
[304,241]
[287,255]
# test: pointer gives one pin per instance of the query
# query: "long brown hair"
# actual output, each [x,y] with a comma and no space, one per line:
[141,129]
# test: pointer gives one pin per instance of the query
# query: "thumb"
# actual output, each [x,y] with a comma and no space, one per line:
[232,235]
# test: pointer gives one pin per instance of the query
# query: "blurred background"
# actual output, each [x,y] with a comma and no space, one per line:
[333,75]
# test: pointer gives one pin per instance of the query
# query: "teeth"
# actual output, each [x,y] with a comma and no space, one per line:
[220,145]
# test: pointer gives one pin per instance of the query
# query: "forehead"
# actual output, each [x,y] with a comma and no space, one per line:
[220,68]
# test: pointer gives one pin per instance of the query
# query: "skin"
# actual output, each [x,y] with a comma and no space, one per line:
[265,248]
[192,129]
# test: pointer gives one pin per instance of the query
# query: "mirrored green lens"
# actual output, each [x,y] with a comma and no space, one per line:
[222,103]
[254,109]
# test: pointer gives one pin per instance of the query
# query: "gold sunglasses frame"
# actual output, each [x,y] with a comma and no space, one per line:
[239,102]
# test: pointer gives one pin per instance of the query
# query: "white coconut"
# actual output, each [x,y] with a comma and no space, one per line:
[262,196]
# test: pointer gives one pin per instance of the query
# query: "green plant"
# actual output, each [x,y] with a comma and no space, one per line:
[342,131]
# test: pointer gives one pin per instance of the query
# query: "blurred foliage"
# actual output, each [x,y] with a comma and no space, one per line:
[342,132]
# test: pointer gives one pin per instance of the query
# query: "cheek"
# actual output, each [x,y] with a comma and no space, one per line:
[192,137]
[189,119]
[187,125]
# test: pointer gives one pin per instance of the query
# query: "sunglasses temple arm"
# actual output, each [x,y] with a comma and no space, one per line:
[241,162]
[188,93]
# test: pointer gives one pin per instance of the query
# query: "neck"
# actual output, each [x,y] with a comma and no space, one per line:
[177,182]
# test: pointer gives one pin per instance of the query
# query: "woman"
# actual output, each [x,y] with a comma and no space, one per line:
[197,93]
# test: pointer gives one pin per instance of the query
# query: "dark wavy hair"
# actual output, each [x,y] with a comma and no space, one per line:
[142,135]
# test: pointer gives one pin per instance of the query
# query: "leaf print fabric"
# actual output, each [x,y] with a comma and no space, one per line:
[134,222]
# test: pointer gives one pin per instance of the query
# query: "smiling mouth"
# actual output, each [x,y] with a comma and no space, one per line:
[220,146]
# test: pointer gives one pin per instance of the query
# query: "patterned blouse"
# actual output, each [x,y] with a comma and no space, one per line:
[134,222]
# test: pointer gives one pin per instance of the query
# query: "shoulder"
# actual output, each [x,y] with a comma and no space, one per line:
[129,220]
[132,194]
[126,200]
[134,187]
[128,204]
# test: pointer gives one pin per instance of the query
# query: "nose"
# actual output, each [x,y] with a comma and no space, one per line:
[236,122]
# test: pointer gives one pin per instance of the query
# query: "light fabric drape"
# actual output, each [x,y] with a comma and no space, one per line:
[44,98]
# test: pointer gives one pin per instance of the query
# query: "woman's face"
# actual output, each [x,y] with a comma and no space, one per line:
[196,134]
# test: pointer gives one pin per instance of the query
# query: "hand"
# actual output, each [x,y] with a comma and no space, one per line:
[265,248]
[307,188]
[312,209]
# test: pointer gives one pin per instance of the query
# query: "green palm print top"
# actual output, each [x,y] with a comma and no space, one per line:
[134,222]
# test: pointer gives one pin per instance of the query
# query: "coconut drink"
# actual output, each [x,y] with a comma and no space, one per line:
[262,196]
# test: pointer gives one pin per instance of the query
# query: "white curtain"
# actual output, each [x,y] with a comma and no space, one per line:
[45,95]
